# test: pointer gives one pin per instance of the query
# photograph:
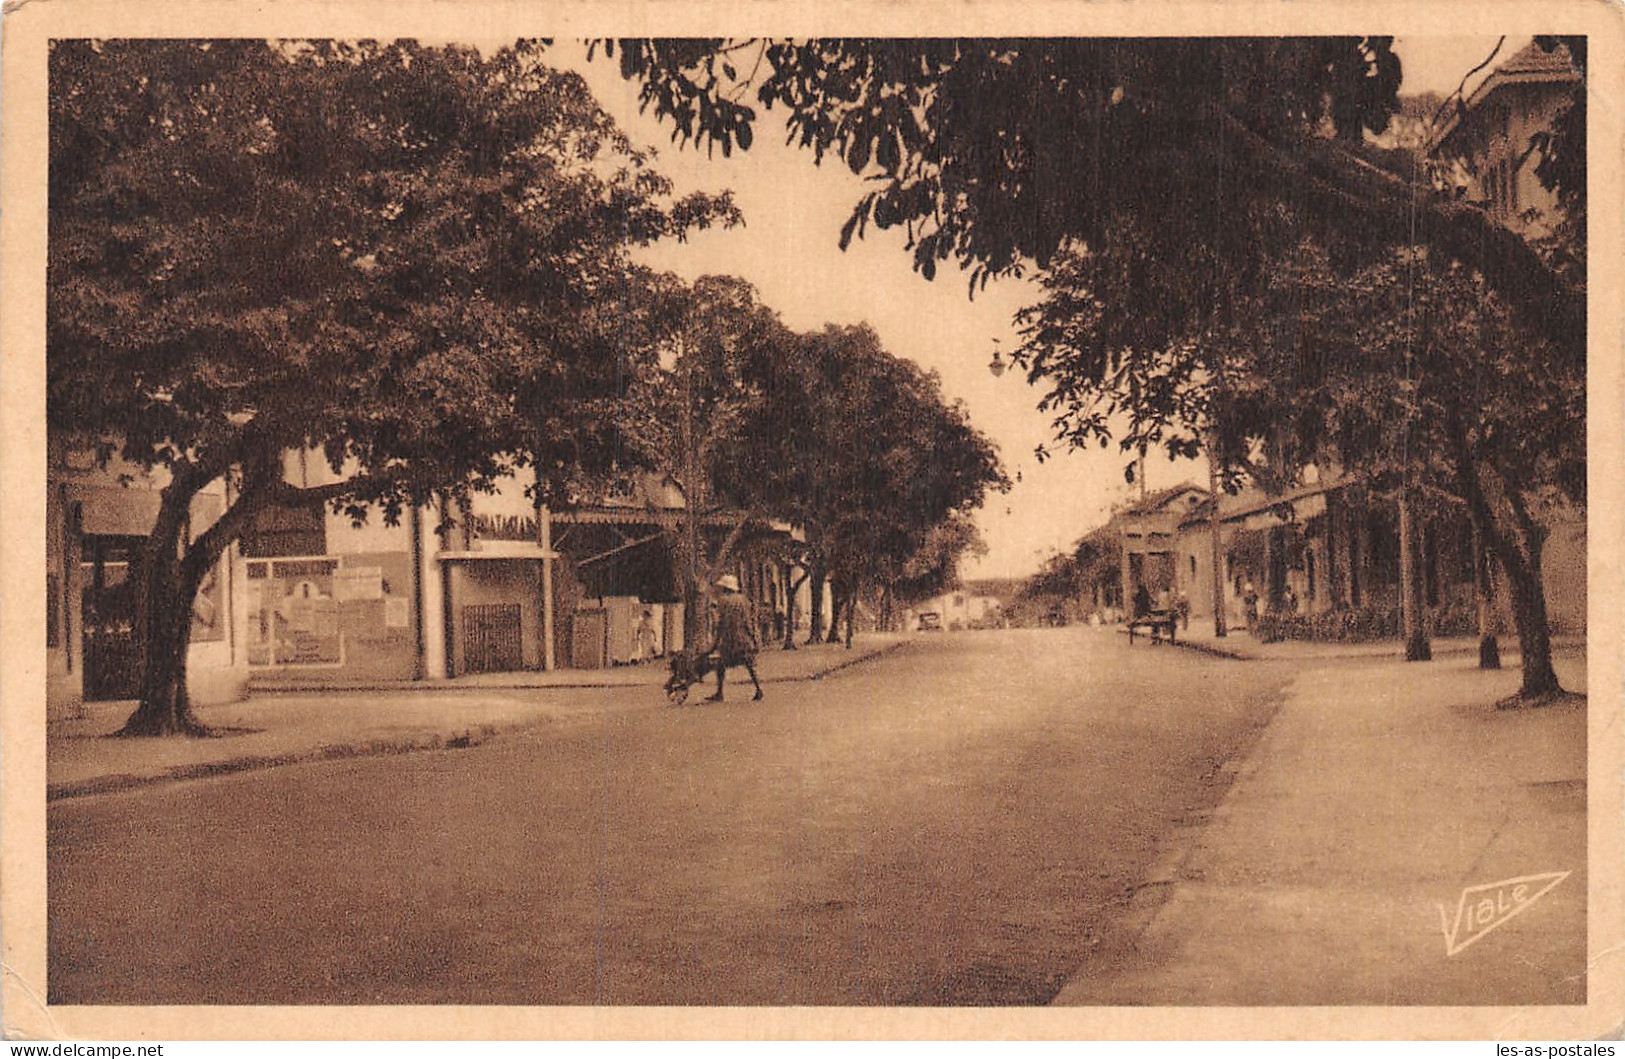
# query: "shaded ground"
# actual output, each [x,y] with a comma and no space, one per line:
[961,822]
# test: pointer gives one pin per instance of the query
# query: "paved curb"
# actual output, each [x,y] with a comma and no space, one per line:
[1439,651]
[1207,649]
[1144,902]
[523,684]
[125,781]
[407,744]
[848,664]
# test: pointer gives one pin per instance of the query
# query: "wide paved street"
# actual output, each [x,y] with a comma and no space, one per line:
[959,822]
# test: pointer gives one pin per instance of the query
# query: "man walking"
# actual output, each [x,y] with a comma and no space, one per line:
[735,642]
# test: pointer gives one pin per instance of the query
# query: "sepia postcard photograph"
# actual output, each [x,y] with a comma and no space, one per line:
[1036,521]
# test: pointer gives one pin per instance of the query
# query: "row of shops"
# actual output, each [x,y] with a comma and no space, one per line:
[309,596]
[1315,550]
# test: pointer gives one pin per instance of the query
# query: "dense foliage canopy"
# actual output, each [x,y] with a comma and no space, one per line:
[390,253]
[1207,156]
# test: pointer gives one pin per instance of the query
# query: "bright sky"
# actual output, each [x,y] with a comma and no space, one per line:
[788,250]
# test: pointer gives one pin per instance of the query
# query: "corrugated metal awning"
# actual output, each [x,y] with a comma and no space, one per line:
[115,511]
[668,518]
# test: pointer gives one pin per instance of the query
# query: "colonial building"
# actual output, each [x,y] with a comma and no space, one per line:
[1151,556]
[955,610]
[1328,545]
[308,595]
[1492,134]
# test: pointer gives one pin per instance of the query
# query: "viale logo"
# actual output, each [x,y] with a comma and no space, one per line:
[1483,908]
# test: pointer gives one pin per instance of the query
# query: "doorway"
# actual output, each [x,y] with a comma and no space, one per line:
[112,657]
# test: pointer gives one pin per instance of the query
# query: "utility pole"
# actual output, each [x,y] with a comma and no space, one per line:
[691,499]
[1219,627]
[544,530]
[1412,586]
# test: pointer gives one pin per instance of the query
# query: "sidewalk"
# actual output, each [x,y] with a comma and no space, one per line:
[295,723]
[1240,644]
[806,662]
[1330,871]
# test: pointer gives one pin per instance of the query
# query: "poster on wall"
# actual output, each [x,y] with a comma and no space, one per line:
[258,591]
[397,613]
[358,582]
[307,627]
[209,609]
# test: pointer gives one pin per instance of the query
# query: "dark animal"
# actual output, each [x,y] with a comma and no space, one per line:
[687,670]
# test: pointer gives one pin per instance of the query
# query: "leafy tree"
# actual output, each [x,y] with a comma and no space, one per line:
[1562,165]
[826,431]
[1157,184]
[1485,413]
[885,460]
[1045,597]
[933,472]
[1410,371]
[1358,357]
[1003,153]
[686,413]
[934,566]
[383,252]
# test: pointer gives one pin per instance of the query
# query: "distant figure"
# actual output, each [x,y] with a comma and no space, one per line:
[648,645]
[1182,609]
[735,643]
[1289,601]
[1142,602]
[1249,599]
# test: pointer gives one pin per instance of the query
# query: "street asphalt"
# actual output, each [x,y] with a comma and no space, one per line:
[964,821]
[1019,818]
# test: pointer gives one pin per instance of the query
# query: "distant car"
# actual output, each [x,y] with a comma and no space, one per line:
[930,621]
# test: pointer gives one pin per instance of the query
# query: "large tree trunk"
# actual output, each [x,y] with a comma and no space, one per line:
[1489,648]
[1517,541]
[815,620]
[1529,613]
[166,637]
[166,586]
[693,618]
[838,599]
[790,611]
[852,611]
[173,569]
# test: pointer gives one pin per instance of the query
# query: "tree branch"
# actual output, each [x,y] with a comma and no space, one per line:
[1337,181]
[289,495]
[1461,88]
[727,545]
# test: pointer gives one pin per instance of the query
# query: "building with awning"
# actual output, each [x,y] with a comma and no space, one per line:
[1323,544]
[1332,544]
[1149,530]
[308,595]
[624,556]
